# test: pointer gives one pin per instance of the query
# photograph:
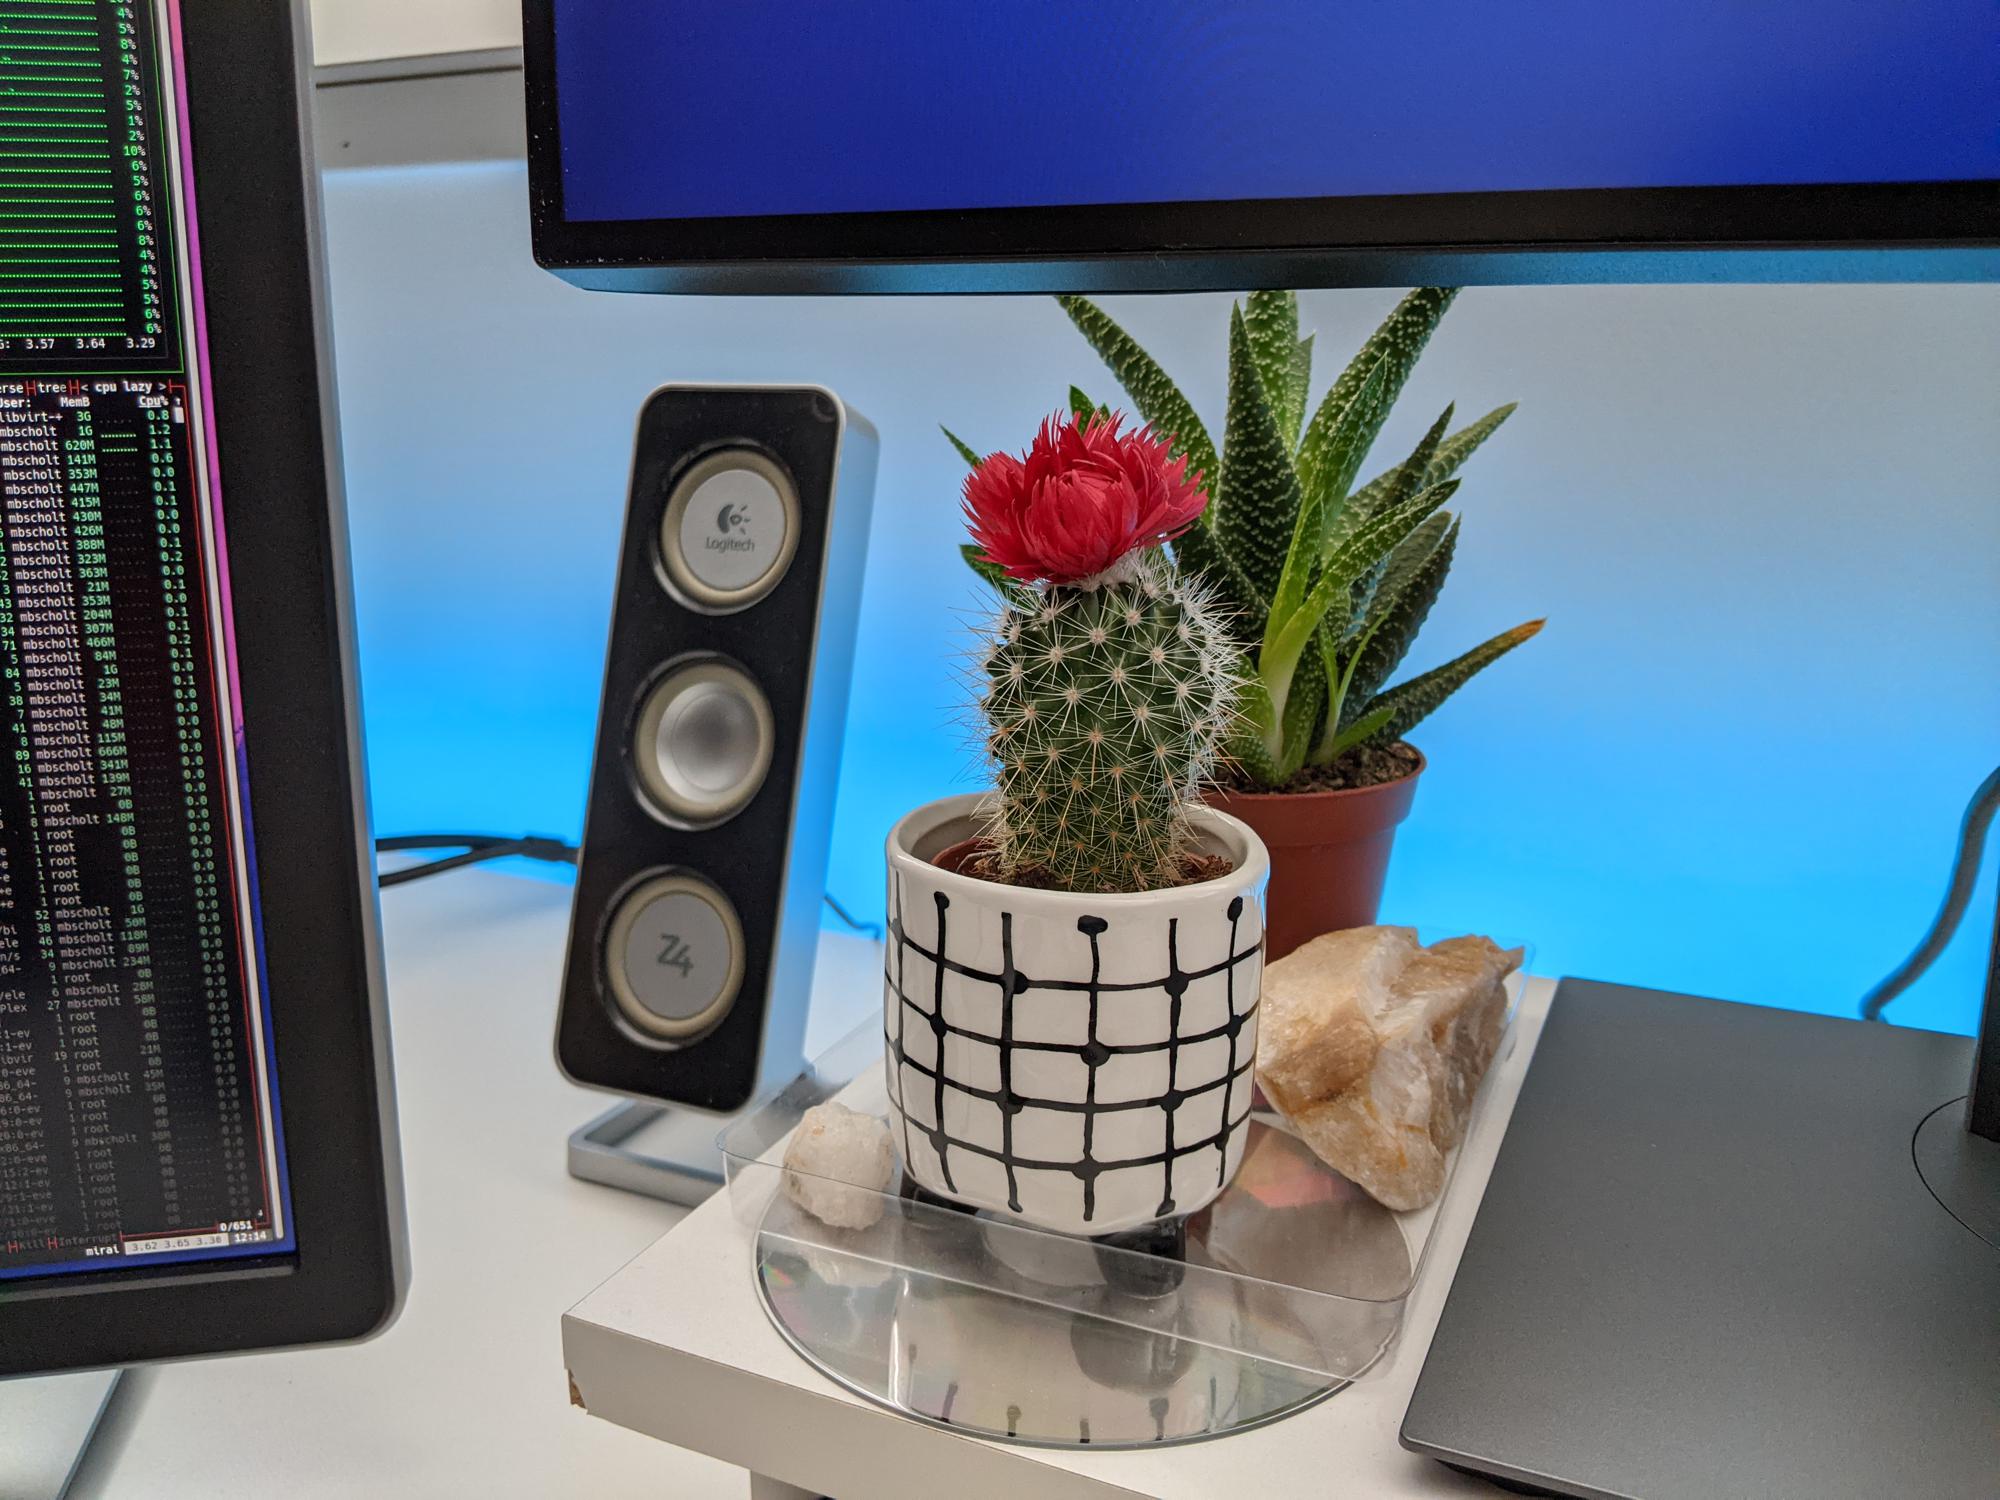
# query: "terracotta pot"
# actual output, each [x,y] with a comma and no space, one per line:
[1329,854]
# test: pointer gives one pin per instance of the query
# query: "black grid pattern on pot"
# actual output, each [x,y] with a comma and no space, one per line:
[1012,982]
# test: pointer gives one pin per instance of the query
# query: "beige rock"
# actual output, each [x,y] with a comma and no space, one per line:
[1372,1047]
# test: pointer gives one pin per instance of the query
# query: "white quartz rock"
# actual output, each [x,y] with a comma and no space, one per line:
[839,1164]
[1372,1046]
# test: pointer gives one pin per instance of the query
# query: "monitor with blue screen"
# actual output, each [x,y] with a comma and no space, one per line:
[1029,145]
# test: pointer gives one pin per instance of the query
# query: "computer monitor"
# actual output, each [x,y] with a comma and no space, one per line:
[1136,145]
[197,1146]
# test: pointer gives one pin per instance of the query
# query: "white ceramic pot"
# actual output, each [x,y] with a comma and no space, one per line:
[1082,1063]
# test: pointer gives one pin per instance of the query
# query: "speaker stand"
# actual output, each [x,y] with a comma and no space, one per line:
[652,1149]
[46,1425]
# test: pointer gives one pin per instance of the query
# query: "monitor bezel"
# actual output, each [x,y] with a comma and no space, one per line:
[257,207]
[1928,231]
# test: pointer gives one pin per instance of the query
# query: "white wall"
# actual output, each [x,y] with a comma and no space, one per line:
[1764,524]
[351,31]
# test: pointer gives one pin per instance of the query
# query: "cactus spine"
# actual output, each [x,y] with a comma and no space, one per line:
[1106,704]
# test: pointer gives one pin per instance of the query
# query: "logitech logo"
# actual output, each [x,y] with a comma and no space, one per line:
[730,521]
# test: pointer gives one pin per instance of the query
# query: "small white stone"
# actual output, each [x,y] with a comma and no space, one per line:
[838,1166]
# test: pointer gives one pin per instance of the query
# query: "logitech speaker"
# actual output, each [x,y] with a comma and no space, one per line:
[703,870]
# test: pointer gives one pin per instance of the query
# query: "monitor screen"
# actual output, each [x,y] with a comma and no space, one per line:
[139,1123]
[1031,145]
[682,109]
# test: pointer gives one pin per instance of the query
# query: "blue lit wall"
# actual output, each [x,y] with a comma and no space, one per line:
[1764,524]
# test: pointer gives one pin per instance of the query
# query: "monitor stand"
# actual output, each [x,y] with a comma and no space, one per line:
[46,1425]
[1961,1169]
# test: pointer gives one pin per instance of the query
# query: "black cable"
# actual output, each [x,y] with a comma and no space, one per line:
[873,929]
[475,848]
[396,843]
[478,848]
[1964,876]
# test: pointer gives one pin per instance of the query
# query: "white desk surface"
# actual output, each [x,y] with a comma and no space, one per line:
[465,1395]
[676,1345]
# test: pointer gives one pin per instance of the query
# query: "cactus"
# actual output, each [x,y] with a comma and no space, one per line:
[1108,682]
[1105,708]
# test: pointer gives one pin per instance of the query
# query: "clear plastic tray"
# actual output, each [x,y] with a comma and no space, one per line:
[1293,1287]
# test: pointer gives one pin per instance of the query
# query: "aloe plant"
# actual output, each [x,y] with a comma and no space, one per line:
[1327,583]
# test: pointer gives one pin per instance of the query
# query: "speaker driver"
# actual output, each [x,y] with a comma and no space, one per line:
[729,531]
[702,744]
[673,957]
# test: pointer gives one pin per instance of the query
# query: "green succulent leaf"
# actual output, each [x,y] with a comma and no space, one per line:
[1395,345]
[1196,550]
[1410,473]
[1247,752]
[1376,536]
[1304,706]
[1347,443]
[1410,586]
[1253,746]
[1359,732]
[1306,553]
[1271,321]
[1272,740]
[1082,407]
[965,450]
[1326,642]
[1286,637]
[1410,703]
[1462,444]
[991,573]
[1404,482]
[983,565]
[988,570]
[1257,511]
[1390,575]
[1157,398]
[1449,458]
[1415,549]
[1297,382]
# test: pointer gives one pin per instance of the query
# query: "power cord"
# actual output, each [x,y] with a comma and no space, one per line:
[852,922]
[1964,876]
[474,849]
[478,848]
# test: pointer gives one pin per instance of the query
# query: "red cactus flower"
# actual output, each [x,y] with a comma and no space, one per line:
[1081,497]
